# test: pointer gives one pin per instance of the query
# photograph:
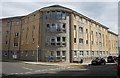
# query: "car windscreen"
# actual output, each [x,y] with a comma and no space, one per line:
[110,57]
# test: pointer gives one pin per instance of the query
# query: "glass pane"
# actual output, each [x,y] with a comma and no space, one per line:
[52,29]
[63,15]
[58,27]
[58,53]
[58,15]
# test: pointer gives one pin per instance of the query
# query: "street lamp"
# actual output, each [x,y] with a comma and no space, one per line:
[37,53]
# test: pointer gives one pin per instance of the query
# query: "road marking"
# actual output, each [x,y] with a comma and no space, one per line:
[27,68]
[27,72]
[16,73]
[37,70]
[20,73]
[11,73]
[52,69]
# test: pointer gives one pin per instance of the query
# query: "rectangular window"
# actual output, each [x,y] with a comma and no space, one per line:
[81,53]
[33,40]
[92,52]
[92,42]
[34,16]
[33,27]
[63,44]
[91,32]
[75,53]
[63,53]
[86,31]
[74,16]
[52,53]
[33,52]
[74,27]
[87,53]
[86,41]
[7,42]
[58,39]
[16,34]
[58,27]
[81,29]
[100,43]
[98,52]
[63,15]
[96,33]
[53,15]
[63,39]
[58,44]
[15,44]
[58,15]
[58,53]
[48,26]
[53,28]
[74,40]
[17,22]
[80,40]
[86,21]
[7,32]
[53,39]
[100,35]
[52,44]
[47,15]
[63,27]
[81,19]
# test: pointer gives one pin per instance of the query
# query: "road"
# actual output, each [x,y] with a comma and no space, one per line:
[13,70]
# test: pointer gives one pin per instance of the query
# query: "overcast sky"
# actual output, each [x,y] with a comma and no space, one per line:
[105,13]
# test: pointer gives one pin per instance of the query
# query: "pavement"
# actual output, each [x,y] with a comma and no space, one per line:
[57,64]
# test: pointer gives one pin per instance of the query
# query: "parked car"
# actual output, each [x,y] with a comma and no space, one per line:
[110,59]
[118,66]
[98,61]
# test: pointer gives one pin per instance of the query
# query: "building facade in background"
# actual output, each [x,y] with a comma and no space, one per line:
[57,33]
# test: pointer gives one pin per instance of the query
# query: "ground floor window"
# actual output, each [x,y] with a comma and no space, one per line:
[58,53]
[5,53]
[63,58]
[63,53]
[51,53]
[33,52]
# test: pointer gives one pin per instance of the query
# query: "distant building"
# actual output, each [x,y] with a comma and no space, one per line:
[56,32]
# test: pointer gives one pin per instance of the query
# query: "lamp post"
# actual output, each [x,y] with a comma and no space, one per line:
[37,53]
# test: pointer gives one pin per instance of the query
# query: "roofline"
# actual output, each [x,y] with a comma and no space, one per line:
[12,17]
[76,13]
[112,32]
[60,7]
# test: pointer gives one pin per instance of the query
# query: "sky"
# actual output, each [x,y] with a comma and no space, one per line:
[105,13]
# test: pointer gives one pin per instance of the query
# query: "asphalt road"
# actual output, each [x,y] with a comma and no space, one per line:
[15,70]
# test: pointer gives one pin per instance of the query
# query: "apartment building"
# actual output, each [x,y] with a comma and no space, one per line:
[56,32]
